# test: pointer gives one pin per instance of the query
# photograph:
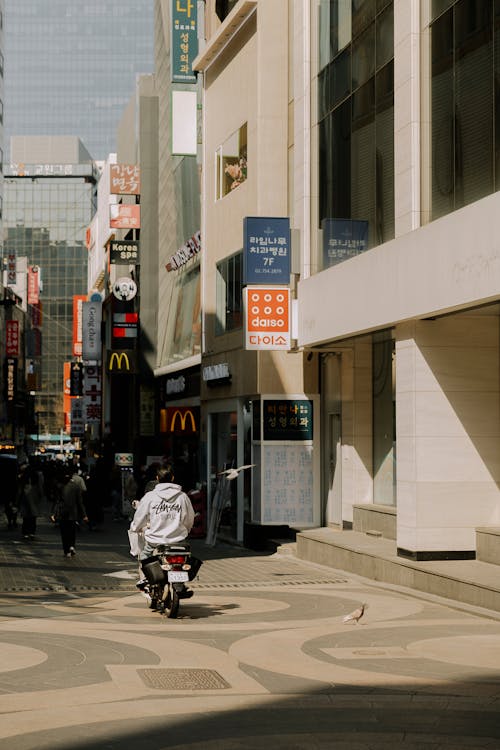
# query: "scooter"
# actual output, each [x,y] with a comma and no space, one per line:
[166,573]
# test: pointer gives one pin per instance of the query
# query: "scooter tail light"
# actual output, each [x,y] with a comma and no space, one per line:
[176,559]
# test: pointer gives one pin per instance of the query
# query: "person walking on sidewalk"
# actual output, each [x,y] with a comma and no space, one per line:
[71,511]
[29,500]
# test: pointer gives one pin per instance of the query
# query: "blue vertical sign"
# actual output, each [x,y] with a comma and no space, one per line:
[266,250]
[184,46]
[343,239]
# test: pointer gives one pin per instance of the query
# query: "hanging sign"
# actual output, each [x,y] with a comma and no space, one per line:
[33,285]
[267,317]
[92,394]
[12,338]
[266,250]
[125,216]
[124,251]
[11,268]
[125,289]
[124,179]
[184,40]
[91,330]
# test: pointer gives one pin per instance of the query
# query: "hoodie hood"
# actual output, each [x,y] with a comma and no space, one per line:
[167,491]
[165,514]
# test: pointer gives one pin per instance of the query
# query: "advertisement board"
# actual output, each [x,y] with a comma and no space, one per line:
[267,318]
[184,40]
[266,250]
[124,179]
[91,330]
[125,216]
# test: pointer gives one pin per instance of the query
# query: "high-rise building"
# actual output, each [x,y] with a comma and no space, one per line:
[71,71]
[70,67]
[48,204]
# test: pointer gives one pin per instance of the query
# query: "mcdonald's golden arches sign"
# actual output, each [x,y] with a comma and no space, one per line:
[121,362]
[182,420]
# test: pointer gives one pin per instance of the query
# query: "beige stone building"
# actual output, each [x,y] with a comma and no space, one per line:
[371,127]
[248,151]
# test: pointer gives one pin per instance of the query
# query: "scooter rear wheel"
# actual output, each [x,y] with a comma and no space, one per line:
[171,602]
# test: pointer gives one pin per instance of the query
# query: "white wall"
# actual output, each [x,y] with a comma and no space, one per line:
[448,431]
[451,264]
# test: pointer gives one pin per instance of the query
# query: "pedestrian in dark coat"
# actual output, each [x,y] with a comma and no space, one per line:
[29,500]
[71,511]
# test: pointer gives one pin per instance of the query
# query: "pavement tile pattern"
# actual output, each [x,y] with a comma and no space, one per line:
[260,657]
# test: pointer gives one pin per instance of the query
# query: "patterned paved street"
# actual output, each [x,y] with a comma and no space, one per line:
[259,658]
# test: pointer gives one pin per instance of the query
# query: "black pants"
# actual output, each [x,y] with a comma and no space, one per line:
[68,534]
[29,526]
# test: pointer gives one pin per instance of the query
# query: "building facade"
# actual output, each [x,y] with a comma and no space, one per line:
[49,199]
[372,127]
[253,399]
[407,337]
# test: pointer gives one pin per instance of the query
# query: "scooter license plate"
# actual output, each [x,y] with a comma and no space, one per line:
[177,576]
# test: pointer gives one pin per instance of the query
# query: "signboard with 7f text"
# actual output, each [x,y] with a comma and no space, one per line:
[267,317]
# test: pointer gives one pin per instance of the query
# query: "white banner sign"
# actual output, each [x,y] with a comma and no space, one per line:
[91,330]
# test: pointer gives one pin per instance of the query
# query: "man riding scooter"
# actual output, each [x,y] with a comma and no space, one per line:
[165,516]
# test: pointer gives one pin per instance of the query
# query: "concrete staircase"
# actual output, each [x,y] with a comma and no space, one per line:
[368,554]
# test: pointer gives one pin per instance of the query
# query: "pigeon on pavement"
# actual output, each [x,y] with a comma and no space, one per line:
[356,615]
[233,473]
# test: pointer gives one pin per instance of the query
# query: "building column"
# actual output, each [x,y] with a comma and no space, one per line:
[448,434]
[357,427]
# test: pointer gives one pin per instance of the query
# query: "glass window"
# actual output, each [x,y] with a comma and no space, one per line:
[356,135]
[465,99]
[363,14]
[385,37]
[363,57]
[229,294]
[224,7]
[335,30]
[231,162]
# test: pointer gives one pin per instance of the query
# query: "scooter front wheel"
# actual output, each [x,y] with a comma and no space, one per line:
[171,602]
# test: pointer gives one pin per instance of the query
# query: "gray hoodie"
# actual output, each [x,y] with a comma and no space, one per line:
[164,514]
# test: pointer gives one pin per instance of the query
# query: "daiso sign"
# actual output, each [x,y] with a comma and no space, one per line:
[267,317]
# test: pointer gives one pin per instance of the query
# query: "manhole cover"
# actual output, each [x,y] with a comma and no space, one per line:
[183,679]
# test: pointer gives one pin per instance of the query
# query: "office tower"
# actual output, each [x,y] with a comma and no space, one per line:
[71,67]
[48,204]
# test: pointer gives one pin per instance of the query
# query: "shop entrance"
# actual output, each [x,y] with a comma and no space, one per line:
[224,455]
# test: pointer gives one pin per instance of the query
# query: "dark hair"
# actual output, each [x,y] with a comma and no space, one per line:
[165,474]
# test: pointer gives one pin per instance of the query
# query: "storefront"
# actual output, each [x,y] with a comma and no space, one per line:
[180,425]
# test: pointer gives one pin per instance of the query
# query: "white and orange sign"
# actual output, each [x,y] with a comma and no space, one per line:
[267,317]
[78,300]
[125,216]
[33,285]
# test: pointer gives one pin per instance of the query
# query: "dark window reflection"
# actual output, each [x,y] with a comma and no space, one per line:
[464,104]
[356,128]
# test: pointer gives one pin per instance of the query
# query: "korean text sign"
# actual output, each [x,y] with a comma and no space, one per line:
[266,250]
[125,179]
[287,419]
[184,43]
[343,239]
[125,216]
[267,317]
[12,338]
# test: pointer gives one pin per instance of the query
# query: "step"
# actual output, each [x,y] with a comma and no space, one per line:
[469,581]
